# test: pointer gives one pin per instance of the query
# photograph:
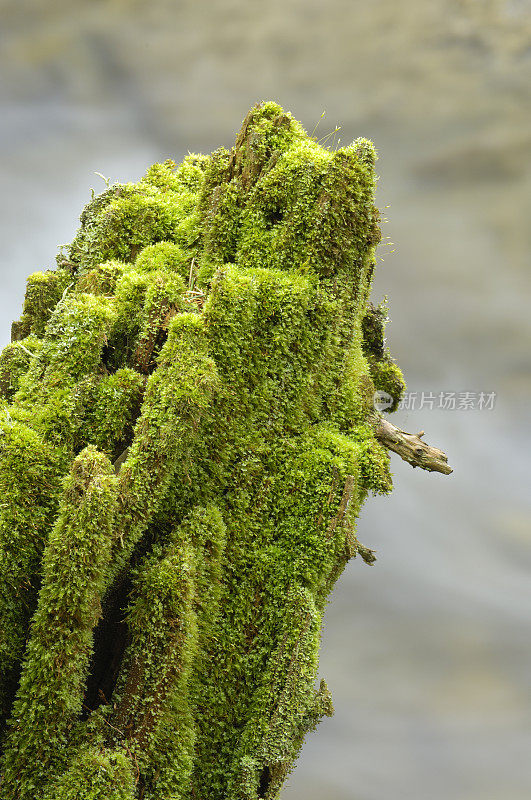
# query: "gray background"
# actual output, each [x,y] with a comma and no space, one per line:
[428,652]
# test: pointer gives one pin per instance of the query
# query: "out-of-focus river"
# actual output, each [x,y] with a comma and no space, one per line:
[428,653]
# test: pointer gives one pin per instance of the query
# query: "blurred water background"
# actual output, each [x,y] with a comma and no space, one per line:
[428,653]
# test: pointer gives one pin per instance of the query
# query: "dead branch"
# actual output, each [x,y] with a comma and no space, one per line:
[411,448]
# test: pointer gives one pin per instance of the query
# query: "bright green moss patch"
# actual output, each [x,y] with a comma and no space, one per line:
[132,217]
[96,774]
[50,695]
[166,256]
[76,334]
[186,176]
[107,408]
[388,377]
[43,291]
[198,376]
[29,487]
[103,278]
[14,363]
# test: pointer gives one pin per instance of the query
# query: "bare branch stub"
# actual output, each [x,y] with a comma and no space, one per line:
[411,448]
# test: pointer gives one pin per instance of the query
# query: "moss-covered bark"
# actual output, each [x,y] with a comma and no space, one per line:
[209,332]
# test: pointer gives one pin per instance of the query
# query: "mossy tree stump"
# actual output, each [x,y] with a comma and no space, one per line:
[186,438]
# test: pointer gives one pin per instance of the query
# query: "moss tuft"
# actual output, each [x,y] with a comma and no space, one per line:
[50,695]
[14,363]
[96,774]
[43,291]
[388,377]
[164,256]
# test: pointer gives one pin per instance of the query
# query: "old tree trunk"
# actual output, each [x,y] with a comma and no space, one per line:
[187,433]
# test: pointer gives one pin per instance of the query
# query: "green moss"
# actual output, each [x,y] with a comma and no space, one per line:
[153,701]
[281,703]
[128,218]
[50,695]
[43,291]
[128,302]
[14,363]
[82,253]
[30,473]
[177,395]
[188,175]
[216,342]
[164,298]
[373,330]
[140,219]
[386,375]
[164,256]
[96,774]
[107,409]
[71,350]
[72,347]
[102,279]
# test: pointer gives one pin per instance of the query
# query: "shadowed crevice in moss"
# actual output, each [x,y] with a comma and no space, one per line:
[111,638]
[199,373]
